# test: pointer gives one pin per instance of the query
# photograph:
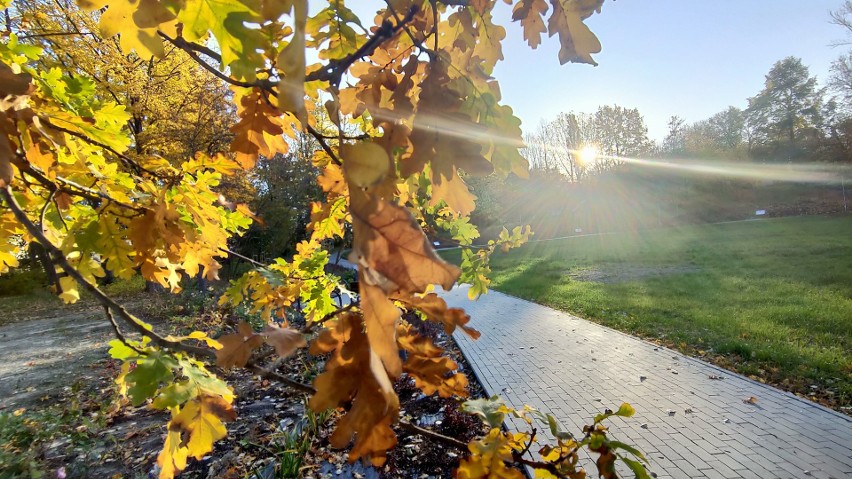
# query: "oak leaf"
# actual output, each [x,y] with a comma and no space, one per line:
[431,371]
[291,62]
[237,348]
[327,218]
[436,310]
[381,317]
[355,374]
[331,180]
[365,164]
[530,13]
[388,241]
[6,154]
[151,371]
[285,340]
[487,459]
[447,139]
[136,22]
[259,131]
[69,292]
[576,39]
[13,83]
[228,21]
[192,431]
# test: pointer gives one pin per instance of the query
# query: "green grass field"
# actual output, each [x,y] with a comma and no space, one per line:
[770,298]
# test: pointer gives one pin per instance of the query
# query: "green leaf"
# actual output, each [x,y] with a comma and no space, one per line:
[174,394]
[150,372]
[119,350]
[199,382]
[226,19]
[626,410]
[628,448]
[596,441]
[556,430]
[492,410]
[637,468]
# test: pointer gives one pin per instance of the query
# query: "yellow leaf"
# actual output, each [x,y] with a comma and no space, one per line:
[291,62]
[39,158]
[69,294]
[331,180]
[487,458]
[192,432]
[136,21]
[172,459]
[365,164]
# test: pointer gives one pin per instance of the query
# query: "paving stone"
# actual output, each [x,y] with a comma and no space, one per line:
[780,436]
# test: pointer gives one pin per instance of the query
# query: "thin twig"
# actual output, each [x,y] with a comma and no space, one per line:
[244,258]
[191,49]
[118,332]
[280,378]
[334,70]
[139,169]
[321,140]
[44,208]
[313,324]
[529,444]
[432,434]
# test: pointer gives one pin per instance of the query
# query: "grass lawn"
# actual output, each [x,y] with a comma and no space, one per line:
[771,298]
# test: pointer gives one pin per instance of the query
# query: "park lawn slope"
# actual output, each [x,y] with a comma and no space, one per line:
[771,299]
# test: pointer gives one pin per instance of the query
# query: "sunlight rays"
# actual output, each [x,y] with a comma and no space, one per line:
[818,173]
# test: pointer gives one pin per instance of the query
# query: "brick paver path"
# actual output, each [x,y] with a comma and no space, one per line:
[689,425]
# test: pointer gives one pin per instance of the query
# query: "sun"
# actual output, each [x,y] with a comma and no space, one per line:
[588,155]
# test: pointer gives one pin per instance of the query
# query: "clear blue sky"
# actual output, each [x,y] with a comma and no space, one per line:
[690,58]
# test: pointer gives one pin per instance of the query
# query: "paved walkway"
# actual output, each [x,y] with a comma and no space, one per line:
[689,425]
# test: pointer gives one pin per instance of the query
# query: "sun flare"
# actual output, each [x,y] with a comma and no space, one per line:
[588,155]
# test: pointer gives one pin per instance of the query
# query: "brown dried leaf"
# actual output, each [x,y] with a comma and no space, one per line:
[445,138]
[355,373]
[431,371]
[388,241]
[578,42]
[381,317]
[436,309]
[285,340]
[530,13]
[12,83]
[6,171]
[259,131]
[237,348]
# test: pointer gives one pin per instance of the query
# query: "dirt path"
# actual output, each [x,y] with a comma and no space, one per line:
[38,357]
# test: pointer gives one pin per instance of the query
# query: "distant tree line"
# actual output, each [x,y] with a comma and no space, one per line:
[792,119]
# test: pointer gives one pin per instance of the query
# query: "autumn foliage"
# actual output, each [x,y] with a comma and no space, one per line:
[415,80]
